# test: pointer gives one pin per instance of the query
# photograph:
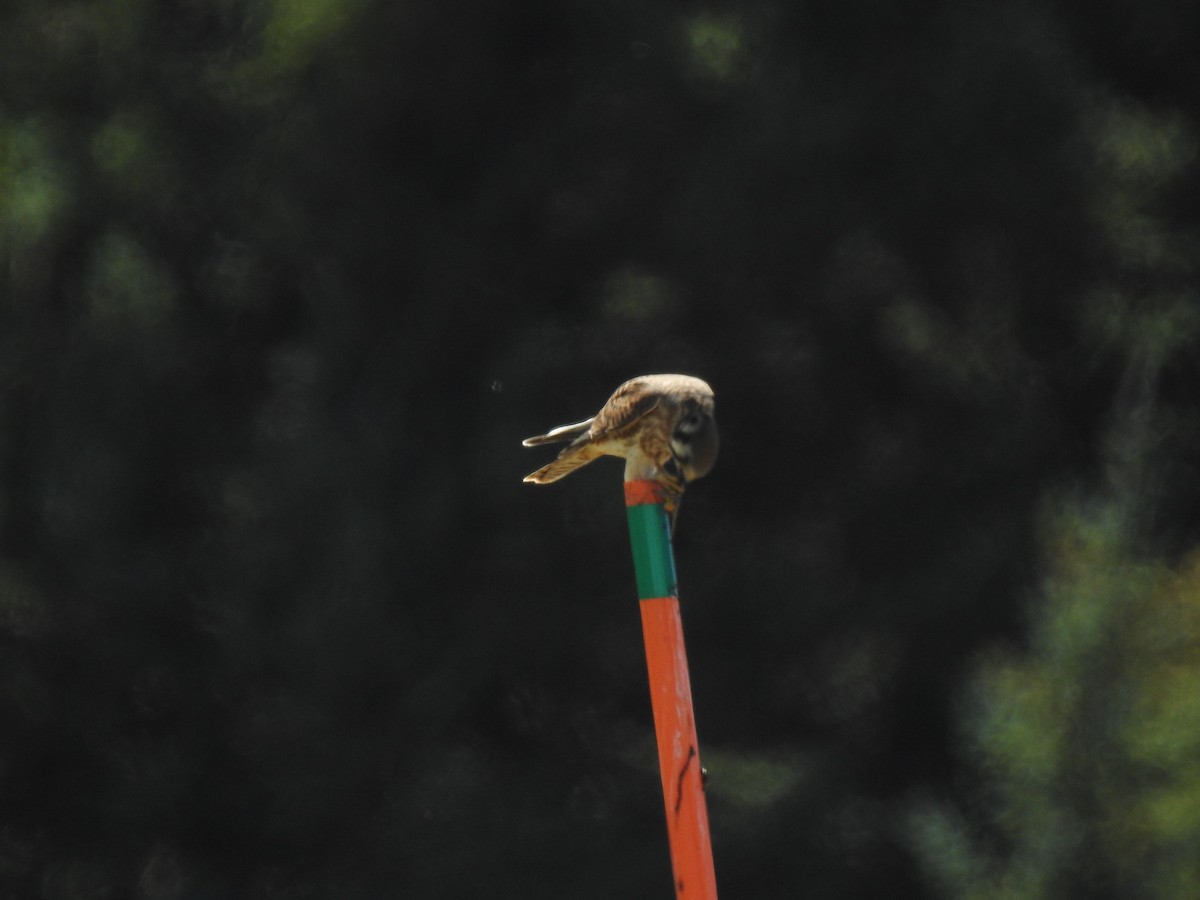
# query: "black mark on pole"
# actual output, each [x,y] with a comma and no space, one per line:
[682,772]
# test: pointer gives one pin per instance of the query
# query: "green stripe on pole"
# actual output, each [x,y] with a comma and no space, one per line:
[653,562]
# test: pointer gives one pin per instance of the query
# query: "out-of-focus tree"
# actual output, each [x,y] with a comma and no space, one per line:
[284,284]
[1086,744]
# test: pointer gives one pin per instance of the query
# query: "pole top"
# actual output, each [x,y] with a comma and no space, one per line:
[647,492]
[643,492]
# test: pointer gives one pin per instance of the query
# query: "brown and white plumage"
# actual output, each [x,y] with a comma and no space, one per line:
[662,425]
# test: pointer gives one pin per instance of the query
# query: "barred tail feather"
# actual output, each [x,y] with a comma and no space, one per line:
[570,460]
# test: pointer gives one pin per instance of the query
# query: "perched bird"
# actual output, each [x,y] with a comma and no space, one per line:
[661,425]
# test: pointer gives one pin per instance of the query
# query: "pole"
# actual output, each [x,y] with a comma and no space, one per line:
[646,505]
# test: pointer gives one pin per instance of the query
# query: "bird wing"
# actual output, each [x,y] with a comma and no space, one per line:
[628,405]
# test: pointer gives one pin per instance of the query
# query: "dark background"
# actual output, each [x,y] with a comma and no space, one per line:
[286,283]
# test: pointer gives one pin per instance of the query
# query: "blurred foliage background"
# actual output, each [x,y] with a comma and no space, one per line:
[284,285]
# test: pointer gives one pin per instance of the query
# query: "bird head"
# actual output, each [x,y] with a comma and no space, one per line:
[694,440]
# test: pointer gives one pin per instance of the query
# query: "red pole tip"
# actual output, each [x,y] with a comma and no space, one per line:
[644,493]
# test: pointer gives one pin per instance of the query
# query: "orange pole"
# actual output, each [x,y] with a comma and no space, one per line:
[670,693]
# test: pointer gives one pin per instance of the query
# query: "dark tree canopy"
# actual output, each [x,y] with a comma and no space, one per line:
[283,285]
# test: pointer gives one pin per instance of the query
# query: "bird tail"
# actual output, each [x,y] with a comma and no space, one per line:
[568,461]
[562,433]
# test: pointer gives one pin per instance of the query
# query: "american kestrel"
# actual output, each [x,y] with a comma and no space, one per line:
[661,425]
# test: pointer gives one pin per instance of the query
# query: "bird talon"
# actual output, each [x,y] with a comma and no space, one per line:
[674,473]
